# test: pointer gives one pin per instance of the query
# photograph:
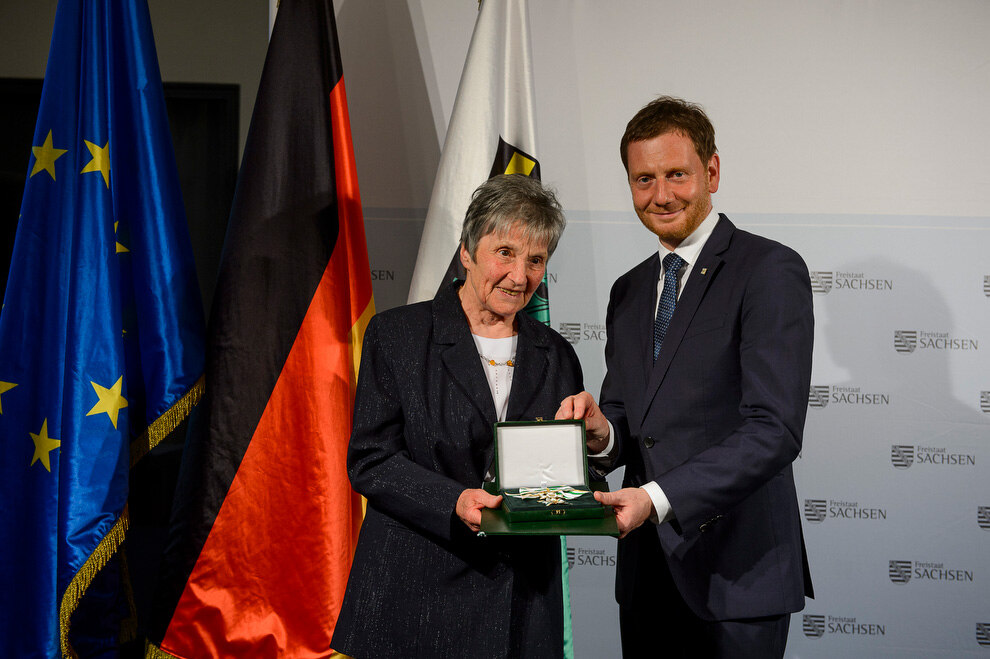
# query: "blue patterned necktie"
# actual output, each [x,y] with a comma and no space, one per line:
[672,264]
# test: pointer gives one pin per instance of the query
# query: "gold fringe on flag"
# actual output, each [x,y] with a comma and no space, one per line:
[167,422]
[84,577]
[157,431]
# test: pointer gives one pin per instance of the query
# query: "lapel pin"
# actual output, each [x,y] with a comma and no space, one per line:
[704,270]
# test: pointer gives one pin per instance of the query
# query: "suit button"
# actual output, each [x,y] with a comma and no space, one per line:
[648,442]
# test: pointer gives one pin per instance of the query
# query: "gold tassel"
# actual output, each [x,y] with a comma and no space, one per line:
[167,422]
[149,439]
[84,577]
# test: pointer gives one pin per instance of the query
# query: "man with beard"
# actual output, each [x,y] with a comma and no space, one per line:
[704,401]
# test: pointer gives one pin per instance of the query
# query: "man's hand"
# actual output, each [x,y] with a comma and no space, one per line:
[583,406]
[469,506]
[633,506]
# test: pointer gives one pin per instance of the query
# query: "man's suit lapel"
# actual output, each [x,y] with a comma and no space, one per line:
[702,275]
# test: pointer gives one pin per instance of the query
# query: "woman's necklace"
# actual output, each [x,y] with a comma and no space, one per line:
[491,362]
[498,360]
[498,374]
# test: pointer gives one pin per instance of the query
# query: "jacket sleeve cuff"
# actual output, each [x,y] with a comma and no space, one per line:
[606,452]
[662,512]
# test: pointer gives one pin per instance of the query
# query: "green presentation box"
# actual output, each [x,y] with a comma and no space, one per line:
[541,471]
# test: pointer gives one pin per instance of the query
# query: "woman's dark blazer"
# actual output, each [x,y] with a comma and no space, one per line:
[422,584]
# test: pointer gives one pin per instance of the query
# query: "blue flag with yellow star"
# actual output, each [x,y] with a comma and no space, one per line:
[101,332]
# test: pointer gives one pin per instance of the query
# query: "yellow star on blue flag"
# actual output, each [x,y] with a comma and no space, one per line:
[45,157]
[43,446]
[100,162]
[4,388]
[111,400]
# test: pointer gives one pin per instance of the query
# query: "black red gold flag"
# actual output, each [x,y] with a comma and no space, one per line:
[264,523]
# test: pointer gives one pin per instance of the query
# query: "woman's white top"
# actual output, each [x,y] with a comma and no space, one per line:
[499,374]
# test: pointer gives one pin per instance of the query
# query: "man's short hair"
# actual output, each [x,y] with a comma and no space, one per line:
[508,200]
[667,114]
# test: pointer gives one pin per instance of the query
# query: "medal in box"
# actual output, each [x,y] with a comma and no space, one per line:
[541,471]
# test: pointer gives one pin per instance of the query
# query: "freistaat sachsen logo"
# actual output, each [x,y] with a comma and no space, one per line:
[985,401]
[571,332]
[813,625]
[817,626]
[818,397]
[848,281]
[821,281]
[905,341]
[983,517]
[819,510]
[821,396]
[901,456]
[814,510]
[983,634]
[899,572]
[908,341]
[587,557]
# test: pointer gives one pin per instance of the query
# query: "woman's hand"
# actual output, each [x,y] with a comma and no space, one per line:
[470,503]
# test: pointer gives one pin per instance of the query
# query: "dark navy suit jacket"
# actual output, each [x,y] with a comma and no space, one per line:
[716,422]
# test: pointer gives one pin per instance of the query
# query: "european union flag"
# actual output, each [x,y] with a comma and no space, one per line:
[101,332]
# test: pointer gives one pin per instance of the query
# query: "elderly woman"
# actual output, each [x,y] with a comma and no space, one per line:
[435,377]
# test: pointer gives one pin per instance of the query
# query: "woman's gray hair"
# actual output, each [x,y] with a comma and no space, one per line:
[513,199]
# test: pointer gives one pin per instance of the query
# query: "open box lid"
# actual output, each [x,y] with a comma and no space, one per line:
[540,453]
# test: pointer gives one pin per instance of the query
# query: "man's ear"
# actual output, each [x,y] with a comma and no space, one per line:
[466,259]
[713,169]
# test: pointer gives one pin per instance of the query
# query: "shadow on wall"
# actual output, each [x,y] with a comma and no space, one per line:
[903,339]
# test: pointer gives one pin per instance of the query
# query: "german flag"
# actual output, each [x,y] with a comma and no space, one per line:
[264,522]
